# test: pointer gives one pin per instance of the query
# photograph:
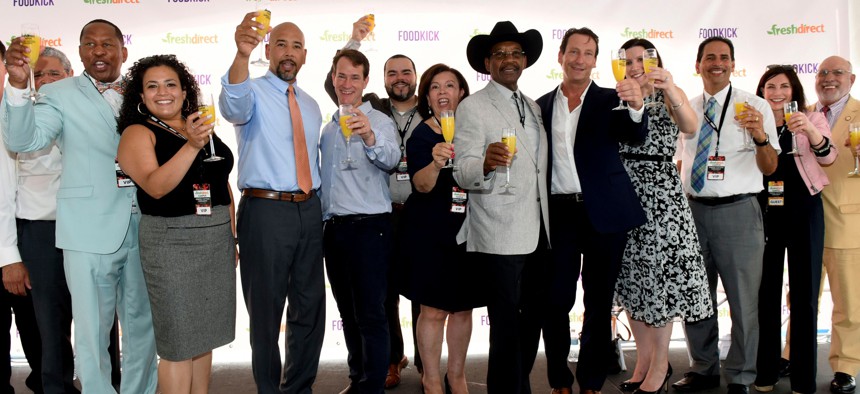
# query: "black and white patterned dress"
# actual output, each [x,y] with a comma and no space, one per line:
[662,274]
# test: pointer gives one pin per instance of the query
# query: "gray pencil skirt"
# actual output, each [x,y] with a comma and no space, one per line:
[188,264]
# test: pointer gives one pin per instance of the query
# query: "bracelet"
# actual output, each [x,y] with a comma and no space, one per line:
[766,141]
[821,144]
[674,107]
[824,150]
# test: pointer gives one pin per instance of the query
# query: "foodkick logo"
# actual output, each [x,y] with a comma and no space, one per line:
[794,29]
[32,3]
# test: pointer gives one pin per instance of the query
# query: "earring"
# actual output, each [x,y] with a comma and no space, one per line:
[187,105]
[139,110]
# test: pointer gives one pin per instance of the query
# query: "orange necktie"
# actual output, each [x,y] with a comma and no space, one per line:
[303,167]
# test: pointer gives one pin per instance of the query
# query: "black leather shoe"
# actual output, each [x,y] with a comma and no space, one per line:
[629,385]
[842,383]
[784,368]
[695,382]
[735,388]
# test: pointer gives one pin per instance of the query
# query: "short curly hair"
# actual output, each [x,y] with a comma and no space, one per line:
[129,114]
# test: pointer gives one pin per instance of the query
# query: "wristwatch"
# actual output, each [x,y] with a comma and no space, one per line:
[766,141]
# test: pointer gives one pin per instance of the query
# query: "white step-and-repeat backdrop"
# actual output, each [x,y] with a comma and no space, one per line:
[200,33]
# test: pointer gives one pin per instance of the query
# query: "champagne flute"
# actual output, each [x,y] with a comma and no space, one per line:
[619,70]
[344,113]
[740,111]
[854,138]
[206,106]
[264,17]
[371,38]
[447,124]
[649,63]
[509,138]
[31,38]
[790,109]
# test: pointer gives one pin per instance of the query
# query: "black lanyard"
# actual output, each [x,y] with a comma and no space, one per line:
[167,127]
[405,129]
[722,118]
[521,108]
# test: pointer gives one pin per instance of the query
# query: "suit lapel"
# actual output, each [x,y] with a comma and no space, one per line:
[98,102]
[503,104]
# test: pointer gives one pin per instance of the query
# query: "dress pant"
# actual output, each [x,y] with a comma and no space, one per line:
[25,321]
[281,247]
[732,240]
[800,232]
[843,269]
[576,246]
[102,286]
[357,255]
[51,302]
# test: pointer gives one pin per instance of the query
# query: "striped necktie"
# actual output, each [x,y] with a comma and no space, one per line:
[706,133]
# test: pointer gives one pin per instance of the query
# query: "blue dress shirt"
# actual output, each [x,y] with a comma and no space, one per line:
[259,110]
[365,189]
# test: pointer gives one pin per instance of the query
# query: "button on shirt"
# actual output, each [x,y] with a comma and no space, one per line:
[365,189]
[260,112]
[742,175]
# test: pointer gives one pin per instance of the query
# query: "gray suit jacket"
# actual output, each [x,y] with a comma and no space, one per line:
[499,223]
[92,212]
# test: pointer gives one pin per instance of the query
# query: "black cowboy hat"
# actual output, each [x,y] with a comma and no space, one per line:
[479,46]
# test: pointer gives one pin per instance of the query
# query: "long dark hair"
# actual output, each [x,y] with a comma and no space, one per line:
[424,87]
[641,42]
[796,87]
[129,114]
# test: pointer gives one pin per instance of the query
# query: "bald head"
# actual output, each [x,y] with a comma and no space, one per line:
[834,79]
[286,51]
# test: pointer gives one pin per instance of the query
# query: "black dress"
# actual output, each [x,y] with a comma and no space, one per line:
[441,275]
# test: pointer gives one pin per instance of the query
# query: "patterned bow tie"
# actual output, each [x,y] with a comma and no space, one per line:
[118,86]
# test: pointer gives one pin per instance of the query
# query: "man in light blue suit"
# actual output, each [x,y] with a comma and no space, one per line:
[97,216]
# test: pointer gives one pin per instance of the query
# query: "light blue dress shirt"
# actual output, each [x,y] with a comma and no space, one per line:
[259,110]
[365,189]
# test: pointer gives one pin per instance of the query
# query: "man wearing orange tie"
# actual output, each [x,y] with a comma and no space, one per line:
[841,221]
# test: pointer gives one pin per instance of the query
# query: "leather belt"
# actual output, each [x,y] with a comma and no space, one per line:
[397,206]
[575,197]
[346,219]
[711,201]
[641,157]
[298,196]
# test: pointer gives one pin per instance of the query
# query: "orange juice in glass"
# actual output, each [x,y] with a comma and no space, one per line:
[264,17]
[447,124]
[854,140]
[344,113]
[372,20]
[31,39]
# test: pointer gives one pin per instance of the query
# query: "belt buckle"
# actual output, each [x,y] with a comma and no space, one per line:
[578,197]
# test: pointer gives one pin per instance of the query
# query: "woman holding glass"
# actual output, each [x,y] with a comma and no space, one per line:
[793,222]
[662,272]
[187,246]
[442,280]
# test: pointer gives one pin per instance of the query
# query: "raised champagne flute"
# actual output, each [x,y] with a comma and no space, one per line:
[344,113]
[740,112]
[264,17]
[509,138]
[371,38]
[854,139]
[619,70]
[31,38]
[206,106]
[790,109]
[649,63]
[447,124]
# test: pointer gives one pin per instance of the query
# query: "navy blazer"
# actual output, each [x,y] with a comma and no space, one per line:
[610,200]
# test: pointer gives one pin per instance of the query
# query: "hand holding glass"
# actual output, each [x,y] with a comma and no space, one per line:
[790,109]
[31,39]
[650,61]
[509,138]
[740,112]
[344,114]
[854,139]
[206,106]
[447,124]
[264,17]
[619,71]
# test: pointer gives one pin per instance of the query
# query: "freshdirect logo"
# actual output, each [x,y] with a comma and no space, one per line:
[556,75]
[32,3]
[338,37]
[46,42]
[802,29]
[725,32]
[187,1]
[476,32]
[112,1]
[195,39]
[647,33]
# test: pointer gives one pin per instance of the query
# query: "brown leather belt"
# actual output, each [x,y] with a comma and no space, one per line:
[298,196]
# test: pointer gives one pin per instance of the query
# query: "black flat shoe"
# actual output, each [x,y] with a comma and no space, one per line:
[447,385]
[842,383]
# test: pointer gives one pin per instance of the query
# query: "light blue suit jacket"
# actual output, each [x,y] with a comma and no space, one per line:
[92,212]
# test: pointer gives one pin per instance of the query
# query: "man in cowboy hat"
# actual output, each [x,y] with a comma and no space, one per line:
[593,202]
[507,228]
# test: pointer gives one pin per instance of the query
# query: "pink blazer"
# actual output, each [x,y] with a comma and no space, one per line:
[808,164]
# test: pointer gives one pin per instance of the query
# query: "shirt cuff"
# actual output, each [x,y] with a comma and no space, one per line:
[636,115]
[352,44]
[9,255]
[16,97]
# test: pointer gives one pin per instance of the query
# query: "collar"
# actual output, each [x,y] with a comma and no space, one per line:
[720,96]
[280,84]
[505,91]
[560,92]
[838,104]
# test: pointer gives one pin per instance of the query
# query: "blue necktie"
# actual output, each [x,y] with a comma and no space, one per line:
[706,133]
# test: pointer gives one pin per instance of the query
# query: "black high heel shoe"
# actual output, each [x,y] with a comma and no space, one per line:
[447,385]
[664,386]
[629,385]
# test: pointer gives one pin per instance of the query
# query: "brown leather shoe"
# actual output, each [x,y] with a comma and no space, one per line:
[393,378]
[563,390]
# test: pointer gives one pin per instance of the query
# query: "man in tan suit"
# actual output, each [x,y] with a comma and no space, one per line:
[841,221]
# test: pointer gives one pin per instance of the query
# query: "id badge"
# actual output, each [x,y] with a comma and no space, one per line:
[202,199]
[401,174]
[716,168]
[775,193]
[458,200]
[122,180]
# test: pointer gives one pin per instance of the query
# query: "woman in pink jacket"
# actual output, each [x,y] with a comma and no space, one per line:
[794,223]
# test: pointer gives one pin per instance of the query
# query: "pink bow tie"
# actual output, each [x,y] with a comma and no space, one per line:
[103,87]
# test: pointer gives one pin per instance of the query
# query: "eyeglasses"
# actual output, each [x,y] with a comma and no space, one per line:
[502,55]
[836,73]
[782,67]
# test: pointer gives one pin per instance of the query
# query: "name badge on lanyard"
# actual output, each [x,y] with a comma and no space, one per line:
[458,200]
[401,174]
[122,180]
[716,168]
[202,199]
[775,193]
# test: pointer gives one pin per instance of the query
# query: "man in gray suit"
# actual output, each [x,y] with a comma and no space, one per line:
[507,228]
